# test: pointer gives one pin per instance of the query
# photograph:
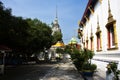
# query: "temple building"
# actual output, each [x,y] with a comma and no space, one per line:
[58,44]
[74,43]
[55,25]
[99,29]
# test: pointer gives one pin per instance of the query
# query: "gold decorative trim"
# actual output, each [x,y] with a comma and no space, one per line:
[112,49]
[86,18]
[98,50]
[83,24]
[91,10]
[110,16]
[111,23]
[115,34]
[91,37]
[100,1]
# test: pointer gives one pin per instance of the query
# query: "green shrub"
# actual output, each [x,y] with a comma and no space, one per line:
[86,66]
[113,66]
[93,67]
[82,58]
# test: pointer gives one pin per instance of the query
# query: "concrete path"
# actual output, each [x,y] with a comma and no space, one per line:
[100,74]
[63,71]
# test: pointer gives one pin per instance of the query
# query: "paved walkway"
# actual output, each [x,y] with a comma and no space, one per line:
[63,72]
[67,71]
[100,74]
[96,76]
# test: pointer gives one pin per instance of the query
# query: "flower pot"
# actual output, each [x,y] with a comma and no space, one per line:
[87,73]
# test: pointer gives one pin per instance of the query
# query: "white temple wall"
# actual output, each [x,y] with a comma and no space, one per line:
[101,13]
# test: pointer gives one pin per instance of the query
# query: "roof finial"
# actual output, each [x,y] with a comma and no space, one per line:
[56,12]
[56,17]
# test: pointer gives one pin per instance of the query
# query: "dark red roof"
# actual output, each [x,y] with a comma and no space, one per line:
[87,11]
[5,48]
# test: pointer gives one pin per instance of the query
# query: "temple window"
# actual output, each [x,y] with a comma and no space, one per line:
[111,30]
[111,38]
[98,36]
[98,41]
[91,41]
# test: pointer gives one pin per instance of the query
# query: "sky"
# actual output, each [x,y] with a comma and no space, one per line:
[69,13]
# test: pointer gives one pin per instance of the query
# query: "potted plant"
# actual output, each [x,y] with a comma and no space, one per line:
[77,58]
[82,60]
[88,68]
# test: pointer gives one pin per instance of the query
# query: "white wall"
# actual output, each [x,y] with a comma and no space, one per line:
[101,10]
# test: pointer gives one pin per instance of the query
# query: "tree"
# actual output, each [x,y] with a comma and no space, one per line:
[41,37]
[5,19]
[13,30]
[23,35]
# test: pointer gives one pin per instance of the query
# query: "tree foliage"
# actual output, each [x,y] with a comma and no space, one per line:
[5,19]
[40,35]
[24,36]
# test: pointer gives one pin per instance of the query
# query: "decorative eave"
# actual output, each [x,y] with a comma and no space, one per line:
[91,9]
[88,11]
[87,19]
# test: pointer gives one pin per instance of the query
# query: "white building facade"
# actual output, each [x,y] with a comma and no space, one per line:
[101,29]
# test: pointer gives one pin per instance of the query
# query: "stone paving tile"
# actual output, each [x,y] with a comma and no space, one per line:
[63,72]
